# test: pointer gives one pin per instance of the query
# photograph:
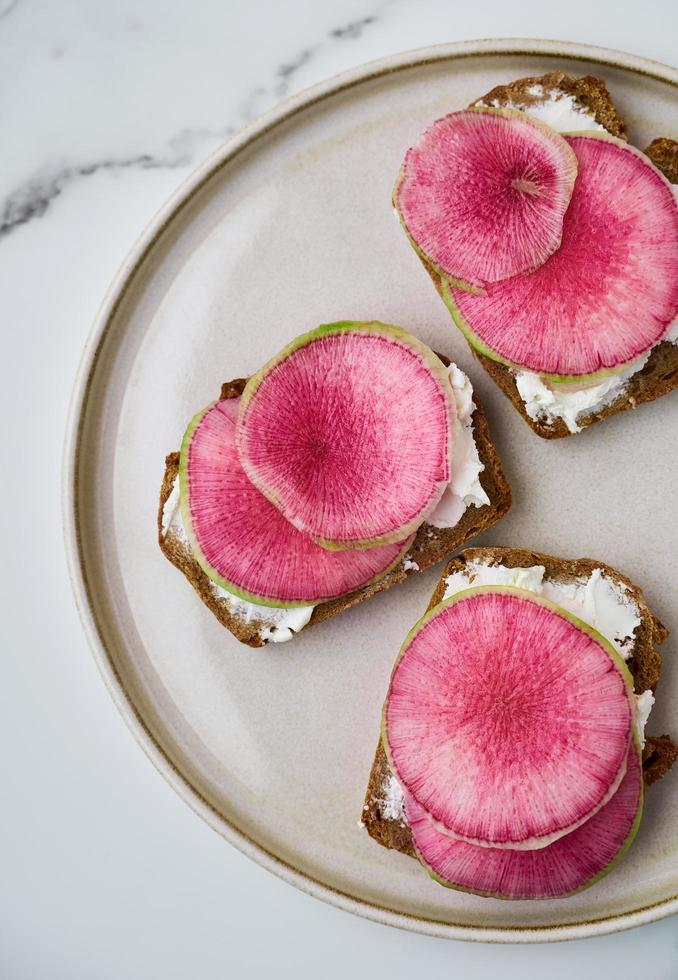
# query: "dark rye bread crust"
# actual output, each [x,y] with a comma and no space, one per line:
[660,752]
[431,544]
[659,376]
[664,155]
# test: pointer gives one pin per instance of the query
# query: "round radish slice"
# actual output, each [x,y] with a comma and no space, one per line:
[507,718]
[243,543]
[483,194]
[610,291]
[570,864]
[348,432]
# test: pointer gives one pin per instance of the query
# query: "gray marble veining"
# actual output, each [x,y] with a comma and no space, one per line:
[32,198]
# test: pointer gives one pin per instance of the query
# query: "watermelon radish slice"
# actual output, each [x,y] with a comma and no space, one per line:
[348,431]
[507,718]
[570,864]
[483,194]
[610,291]
[243,543]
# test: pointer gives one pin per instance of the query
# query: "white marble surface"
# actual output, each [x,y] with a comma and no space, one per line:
[104,109]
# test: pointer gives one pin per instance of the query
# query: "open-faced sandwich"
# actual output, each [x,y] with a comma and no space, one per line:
[353,459]
[554,244]
[513,754]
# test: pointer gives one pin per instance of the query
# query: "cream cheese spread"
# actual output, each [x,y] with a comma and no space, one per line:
[547,401]
[392,800]
[557,109]
[672,332]
[464,489]
[550,400]
[644,704]
[544,400]
[171,515]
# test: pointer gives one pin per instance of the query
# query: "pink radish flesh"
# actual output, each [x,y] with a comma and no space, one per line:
[610,291]
[244,542]
[568,865]
[483,194]
[348,432]
[506,719]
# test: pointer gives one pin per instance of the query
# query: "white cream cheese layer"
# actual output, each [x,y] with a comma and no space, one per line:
[464,489]
[277,625]
[550,400]
[558,110]
[603,603]
[392,800]
[672,332]
[599,601]
[171,515]
[544,400]
[644,704]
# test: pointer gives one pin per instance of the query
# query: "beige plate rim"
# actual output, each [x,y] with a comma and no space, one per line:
[70,478]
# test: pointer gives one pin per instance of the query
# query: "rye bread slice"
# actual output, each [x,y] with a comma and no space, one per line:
[659,375]
[664,154]
[390,828]
[430,545]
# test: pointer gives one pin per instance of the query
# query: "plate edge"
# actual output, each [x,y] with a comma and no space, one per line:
[70,482]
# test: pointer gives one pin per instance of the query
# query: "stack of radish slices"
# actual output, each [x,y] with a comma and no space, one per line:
[555,254]
[313,483]
[510,725]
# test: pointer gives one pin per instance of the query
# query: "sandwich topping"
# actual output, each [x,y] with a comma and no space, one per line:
[243,543]
[348,432]
[579,322]
[569,864]
[608,295]
[475,702]
[465,490]
[266,570]
[479,173]
[605,604]
[508,719]
[510,724]
[602,602]
[544,400]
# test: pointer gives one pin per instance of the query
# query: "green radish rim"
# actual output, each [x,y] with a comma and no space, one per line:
[481,347]
[374,327]
[558,610]
[446,282]
[210,571]
[468,287]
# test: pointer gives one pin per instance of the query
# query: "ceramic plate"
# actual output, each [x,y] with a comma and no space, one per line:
[288,226]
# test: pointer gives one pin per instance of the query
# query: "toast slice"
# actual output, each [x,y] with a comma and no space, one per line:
[664,154]
[590,97]
[430,545]
[383,815]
